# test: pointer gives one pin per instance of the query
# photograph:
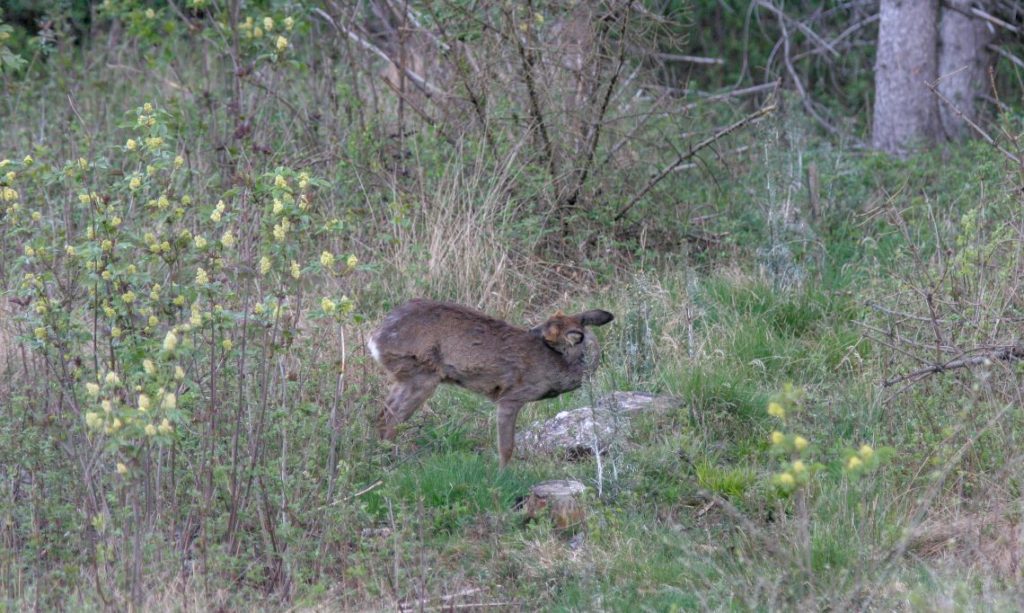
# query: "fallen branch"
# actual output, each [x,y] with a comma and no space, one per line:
[692,151]
[746,91]
[1004,354]
[689,59]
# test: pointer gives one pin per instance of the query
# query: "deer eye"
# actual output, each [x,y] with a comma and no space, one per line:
[574,337]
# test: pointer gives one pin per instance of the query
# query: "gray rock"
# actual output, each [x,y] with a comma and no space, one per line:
[579,432]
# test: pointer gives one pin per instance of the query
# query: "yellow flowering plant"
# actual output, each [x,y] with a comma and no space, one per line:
[143,302]
[792,448]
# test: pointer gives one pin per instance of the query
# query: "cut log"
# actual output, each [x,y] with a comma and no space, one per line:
[563,499]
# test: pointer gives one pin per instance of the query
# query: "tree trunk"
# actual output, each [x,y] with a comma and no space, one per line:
[905,109]
[963,64]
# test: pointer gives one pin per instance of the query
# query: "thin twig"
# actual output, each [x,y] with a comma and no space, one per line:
[805,98]
[692,151]
[420,82]
[1006,54]
[527,62]
[977,129]
[809,33]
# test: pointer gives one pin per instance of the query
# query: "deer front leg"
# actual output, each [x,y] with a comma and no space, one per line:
[508,410]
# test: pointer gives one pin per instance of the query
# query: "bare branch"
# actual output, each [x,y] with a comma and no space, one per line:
[420,82]
[692,151]
[977,129]
[1005,354]
[809,33]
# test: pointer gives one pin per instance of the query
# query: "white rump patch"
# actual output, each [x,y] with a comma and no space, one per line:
[372,344]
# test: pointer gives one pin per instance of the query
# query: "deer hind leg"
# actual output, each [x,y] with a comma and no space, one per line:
[405,397]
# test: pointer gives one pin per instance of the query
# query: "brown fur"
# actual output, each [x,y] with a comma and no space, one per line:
[425,343]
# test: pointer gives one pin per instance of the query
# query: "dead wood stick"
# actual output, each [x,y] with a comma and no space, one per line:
[692,151]
[1004,354]
[994,20]
[755,89]
[689,59]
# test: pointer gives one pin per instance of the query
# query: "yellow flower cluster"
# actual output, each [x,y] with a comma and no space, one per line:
[218,211]
[863,458]
[170,341]
[330,307]
[281,230]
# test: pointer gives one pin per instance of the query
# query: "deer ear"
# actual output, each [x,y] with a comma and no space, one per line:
[559,313]
[551,332]
[597,317]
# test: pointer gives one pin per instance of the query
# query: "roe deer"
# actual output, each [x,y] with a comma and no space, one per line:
[423,343]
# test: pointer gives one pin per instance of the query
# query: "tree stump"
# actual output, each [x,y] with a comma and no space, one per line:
[563,499]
